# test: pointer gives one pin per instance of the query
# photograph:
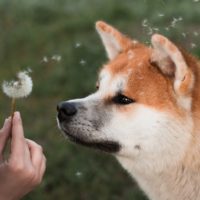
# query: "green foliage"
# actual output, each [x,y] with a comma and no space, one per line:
[33,31]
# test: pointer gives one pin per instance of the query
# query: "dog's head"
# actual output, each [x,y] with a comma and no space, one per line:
[142,105]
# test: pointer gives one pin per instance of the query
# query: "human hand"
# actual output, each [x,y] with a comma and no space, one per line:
[26,164]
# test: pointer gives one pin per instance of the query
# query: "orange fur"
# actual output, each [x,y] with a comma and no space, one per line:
[144,78]
[124,41]
[143,82]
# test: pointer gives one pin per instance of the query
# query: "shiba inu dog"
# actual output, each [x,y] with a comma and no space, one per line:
[146,112]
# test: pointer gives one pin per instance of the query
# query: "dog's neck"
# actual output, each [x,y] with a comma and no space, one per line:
[178,182]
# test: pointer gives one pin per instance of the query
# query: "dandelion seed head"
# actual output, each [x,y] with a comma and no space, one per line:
[20,88]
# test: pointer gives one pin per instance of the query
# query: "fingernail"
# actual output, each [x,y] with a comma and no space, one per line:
[17,115]
[6,122]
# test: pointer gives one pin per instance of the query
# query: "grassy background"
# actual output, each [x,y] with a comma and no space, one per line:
[32,32]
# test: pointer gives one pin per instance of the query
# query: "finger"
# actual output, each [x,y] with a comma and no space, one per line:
[42,168]
[36,154]
[4,134]
[38,160]
[18,145]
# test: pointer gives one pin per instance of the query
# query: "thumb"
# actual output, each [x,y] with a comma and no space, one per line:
[18,145]
[4,134]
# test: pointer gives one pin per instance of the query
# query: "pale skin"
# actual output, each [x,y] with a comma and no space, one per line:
[24,168]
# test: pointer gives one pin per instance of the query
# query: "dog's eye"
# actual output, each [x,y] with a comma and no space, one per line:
[121,99]
[97,85]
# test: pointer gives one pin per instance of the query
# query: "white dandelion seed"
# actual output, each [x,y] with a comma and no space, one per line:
[161,15]
[82,62]
[135,42]
[156,29]
[45,59]
[78,174]
[167,28]
[150,31]
[180,19]
[20,88]
[184,34]
[56,58]
[193,45]
[175,21]
[77,45]
[145,23]
[195,33]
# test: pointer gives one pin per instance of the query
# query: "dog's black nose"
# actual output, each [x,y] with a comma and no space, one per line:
[66,110]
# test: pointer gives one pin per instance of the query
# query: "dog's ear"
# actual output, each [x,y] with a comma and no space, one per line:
[171,61]
[114,41]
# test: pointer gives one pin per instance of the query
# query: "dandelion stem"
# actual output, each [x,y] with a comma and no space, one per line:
[13,106]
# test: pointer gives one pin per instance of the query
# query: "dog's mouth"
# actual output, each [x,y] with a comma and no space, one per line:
[103,145]
[78,131]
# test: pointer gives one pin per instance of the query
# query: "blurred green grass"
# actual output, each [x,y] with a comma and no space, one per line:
[33,31]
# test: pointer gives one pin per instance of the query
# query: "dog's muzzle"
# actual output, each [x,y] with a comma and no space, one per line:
[68,113]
